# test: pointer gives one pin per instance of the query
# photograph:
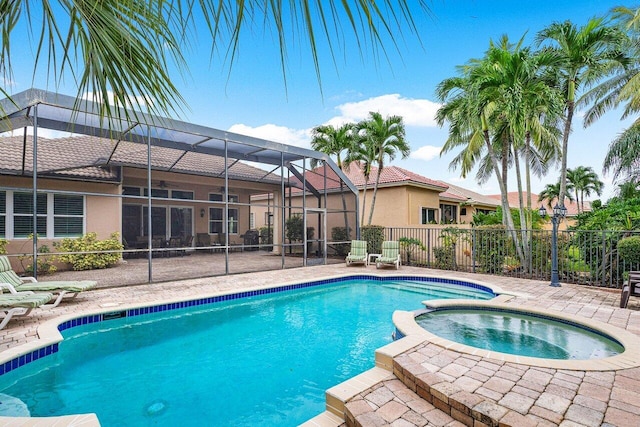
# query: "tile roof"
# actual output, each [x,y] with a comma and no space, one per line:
[512,196]
[390,175]
[89,157]
[471,197]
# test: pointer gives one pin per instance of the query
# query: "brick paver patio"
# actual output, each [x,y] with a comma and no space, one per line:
[430,385]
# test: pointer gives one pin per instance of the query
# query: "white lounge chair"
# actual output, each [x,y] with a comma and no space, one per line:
[15,284]
[390,254]
[21,304]
[358,253]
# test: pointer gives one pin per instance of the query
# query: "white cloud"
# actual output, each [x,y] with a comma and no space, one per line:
[427,152]
[415,112]
[271,132]
[42,133]
[138,101]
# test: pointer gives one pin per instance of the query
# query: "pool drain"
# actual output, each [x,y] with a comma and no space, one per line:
[156,407]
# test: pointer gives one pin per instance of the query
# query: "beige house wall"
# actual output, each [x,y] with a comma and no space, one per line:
[102,214]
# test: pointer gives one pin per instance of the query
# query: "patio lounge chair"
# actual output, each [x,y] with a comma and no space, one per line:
[631,288]
[10,281]
[390,254]
[21,304]
[358,253]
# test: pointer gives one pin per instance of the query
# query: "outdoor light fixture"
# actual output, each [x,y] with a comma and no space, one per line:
[559,212]
[202,213]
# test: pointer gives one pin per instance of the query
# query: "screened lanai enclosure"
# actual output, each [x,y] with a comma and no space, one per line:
[127,201]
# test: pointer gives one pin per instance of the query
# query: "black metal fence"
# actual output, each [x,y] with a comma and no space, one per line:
[584,257]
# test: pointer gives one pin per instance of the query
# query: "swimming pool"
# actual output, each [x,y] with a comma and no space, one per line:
[262,359]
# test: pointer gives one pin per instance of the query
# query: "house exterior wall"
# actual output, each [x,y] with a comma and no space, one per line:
[201,186]
[422,198]
[102,215]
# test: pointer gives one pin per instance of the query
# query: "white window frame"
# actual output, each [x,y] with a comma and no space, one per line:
[50,216]
[435,214]
[232,198]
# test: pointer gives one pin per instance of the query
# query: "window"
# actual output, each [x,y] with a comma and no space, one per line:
[180,194]
[252,220]
[448,214]
[59,215]
[216,215]
[68,215]
[484,211]
[130,191]
[3,213]
[23,215]
[428,216]
[463,211]
[157,192]
[215,220]
[233,221]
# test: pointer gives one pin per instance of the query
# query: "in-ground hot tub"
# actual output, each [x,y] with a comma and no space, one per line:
[516,334]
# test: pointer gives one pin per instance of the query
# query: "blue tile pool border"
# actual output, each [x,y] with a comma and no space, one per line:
[117,314]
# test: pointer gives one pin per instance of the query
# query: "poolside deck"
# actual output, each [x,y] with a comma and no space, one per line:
[439,387]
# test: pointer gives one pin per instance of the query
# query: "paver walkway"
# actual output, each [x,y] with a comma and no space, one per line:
[430,385]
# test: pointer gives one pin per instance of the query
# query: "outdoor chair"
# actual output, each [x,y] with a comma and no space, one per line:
[21,304]
[358,253]
[174,245]
[630,288]
[390,254]
[16,285]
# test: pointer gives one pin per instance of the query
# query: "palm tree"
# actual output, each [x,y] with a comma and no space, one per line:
[363,154]
[551,192]
[584,182]
[386,138]
[126,48]
[582,56]
[334,142]
[623,156]
[628,190]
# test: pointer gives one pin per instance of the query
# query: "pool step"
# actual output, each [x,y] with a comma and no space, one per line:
[435,289]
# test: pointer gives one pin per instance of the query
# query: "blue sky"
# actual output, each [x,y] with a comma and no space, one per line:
[253,99]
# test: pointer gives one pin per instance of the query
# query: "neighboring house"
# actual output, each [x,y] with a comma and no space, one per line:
[404,198]
[513,197]
[572,207]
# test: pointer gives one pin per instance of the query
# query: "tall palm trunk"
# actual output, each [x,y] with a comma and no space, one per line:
[375,193]
[565,141]
[527,165]
[364,199]
[506,211]
[523,220]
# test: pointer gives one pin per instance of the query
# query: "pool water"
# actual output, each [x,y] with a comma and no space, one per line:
[264,360]
[520,334]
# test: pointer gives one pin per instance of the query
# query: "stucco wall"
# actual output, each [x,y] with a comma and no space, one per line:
[102,214]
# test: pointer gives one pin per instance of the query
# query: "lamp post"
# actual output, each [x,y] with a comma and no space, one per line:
[559,212]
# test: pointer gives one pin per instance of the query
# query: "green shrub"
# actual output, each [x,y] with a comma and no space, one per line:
[374,235]
[45,263]
[3,246]
[629,250]
[410,246]
[445,257]
[492,246]
[340,234]
[266,235]
[90,243]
